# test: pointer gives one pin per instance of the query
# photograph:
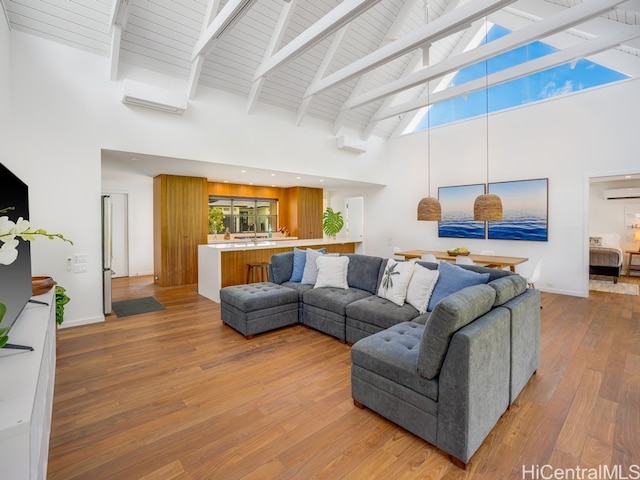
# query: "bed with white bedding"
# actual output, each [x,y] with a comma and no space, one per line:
[605,255]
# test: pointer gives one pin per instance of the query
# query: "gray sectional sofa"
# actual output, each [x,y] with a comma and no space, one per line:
[446,375]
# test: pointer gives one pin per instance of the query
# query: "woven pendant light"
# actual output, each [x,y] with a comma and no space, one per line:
[487,207]
[429,208]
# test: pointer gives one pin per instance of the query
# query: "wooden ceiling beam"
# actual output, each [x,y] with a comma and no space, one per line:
[117,22]
[230,14]
[589,47]
[275,40]
[441,27]
[341,15]
[554,24]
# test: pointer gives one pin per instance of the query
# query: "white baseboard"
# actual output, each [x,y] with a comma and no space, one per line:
[81,321]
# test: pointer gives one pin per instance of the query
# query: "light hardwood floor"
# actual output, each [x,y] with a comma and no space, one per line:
[175,394]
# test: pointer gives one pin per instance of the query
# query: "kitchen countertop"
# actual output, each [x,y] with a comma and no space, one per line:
[236,244]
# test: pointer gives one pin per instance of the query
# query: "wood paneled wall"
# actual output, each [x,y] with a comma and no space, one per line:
[234,264]
[180,221]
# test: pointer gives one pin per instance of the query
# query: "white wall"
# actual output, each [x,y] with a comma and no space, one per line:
[140,222]
[65,110]
[5,89]
[566,140]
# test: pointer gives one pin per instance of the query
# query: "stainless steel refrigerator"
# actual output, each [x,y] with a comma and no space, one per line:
[107,253]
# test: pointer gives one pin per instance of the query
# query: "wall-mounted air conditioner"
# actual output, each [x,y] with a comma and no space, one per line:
[150,96]
[621,193]
[347,143]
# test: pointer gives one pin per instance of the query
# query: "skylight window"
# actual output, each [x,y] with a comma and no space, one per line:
[561,80]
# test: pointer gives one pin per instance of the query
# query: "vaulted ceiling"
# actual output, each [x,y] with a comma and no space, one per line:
[362,65]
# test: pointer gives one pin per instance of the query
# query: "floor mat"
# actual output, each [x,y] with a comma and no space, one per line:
[624,288]
[135,306]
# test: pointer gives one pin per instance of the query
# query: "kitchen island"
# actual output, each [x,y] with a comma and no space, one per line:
[224,264]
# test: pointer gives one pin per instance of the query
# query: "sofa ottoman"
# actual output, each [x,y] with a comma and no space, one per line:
[258,307]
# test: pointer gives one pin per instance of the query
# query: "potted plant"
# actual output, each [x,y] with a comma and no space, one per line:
[332,222]
[61,300]
[216,220]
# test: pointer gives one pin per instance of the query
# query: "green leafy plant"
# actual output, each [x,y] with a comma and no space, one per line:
[216,218]
[61,300]
[332,222]
[4,338]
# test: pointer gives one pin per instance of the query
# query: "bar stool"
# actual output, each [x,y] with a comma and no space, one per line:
[257,272]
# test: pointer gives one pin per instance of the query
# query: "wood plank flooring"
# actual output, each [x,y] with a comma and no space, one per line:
[175,394]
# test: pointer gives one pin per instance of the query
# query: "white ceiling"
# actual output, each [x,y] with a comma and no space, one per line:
[314,56]
[120,166]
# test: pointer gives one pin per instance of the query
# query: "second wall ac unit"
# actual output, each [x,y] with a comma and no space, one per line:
[621,193]
[150,96]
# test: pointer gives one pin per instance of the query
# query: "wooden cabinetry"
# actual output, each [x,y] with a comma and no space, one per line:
[27,393]
[304,212]
[180,225]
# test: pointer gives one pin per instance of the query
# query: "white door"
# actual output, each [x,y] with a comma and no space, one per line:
[354,207]
[120,234]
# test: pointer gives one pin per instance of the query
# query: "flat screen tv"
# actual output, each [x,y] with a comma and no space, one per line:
[15,278]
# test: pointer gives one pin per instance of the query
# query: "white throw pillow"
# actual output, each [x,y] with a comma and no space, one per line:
[395,281]
[310,271]
[421,286]
[332,271]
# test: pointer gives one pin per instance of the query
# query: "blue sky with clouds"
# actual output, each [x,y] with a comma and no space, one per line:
[560,80]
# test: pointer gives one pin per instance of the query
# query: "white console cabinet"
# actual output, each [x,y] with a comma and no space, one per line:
[26,392]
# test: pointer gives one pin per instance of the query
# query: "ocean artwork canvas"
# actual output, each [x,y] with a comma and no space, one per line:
[457,212]
[524,210]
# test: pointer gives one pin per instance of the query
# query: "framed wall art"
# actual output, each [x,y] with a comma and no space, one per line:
[457,212]
[525,210]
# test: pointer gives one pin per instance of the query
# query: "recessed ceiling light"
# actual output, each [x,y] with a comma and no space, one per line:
[321,180]
[298,178]
[226,181]
[243,171]
[273,174]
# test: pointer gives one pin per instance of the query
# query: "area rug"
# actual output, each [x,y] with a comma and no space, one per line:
[624,288]
[125,308]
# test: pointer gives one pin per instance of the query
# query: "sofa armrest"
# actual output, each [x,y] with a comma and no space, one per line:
[474,384]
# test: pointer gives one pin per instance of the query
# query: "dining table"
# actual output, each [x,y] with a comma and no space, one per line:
[491,261]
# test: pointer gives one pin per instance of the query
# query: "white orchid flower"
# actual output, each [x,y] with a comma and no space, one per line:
[9,252]
[7,229]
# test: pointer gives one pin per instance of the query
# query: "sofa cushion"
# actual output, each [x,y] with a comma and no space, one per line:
[393,354]
[395,281]
[364,272]
[508,288]
[332,272]
[298,287]
[453,278]
[421,285]
[333,299]
[281,267]
[380,312]
[449,316]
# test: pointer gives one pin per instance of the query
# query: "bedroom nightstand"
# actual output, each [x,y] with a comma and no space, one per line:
[633,267]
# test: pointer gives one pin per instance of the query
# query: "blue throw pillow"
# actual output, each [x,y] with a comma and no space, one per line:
[299,259]
[453,278]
